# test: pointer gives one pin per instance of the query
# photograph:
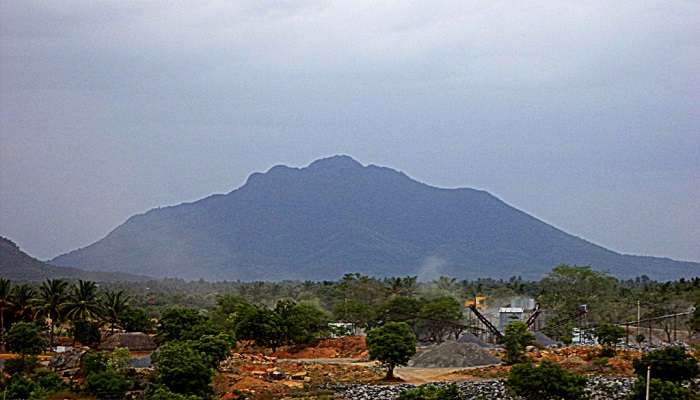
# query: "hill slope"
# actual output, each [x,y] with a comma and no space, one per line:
[17,265]
[337,216]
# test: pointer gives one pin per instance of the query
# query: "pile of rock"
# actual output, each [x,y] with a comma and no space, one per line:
[453,355]
[598,388]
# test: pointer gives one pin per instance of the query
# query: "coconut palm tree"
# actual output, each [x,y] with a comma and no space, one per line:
[83,302]
[5,302]
[114,305]
[23,302]
[51,301]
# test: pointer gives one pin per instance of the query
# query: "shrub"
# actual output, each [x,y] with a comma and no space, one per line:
[93,361]
[183,324]
[182,369]
[609,336]
[49,380]
[668,364]
[22,365]
[546,382]
[25,339]
[137,320]
[107,385]
[432,392]
[118,360]
[20,387]
[516,339]
[214,348]
[660,390]
[300,323]
[86,332]
[393,344]
[162,393]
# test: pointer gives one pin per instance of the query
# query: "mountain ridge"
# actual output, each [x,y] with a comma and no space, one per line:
[17,265]
[335,216]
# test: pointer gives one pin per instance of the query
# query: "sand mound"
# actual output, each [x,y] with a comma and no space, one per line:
[453,355]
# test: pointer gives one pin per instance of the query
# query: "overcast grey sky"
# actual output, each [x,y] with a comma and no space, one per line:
[585,114]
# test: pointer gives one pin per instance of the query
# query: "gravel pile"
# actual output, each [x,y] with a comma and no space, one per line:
[599,388]
[544,340]
[453,355]
[471,338]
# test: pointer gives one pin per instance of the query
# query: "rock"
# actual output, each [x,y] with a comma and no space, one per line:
[67,360]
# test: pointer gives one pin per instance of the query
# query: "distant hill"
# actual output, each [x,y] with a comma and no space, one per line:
[337,216]
[17,265]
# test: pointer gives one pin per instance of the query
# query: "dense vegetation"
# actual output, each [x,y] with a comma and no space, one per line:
[197,323]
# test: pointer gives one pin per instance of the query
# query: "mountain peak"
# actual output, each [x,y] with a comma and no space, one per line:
[340,161]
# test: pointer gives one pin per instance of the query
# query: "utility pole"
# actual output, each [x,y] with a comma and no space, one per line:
[639,316]
[648,378]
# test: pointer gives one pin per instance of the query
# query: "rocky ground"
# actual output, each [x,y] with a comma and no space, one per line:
[599,388]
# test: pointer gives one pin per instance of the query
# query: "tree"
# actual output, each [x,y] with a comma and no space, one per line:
[214,348]
[136,320]
[401,309]
[548,381]
[668,364]
[180,324]
[261,325]
[114,306]
[5,302]
[182,369]
[671,367]
[86,332]
[83,302]
[162,393]
[441,316]
[516,339]
[393,344]
[609,336]
[50,302]
[300,323]
[108,384]
[694,320]
[23,302]
[24,338]
[660,390]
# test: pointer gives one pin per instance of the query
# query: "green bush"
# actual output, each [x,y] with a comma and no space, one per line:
[393,344]
[516,339]
[182,369]
[86,332]
[20,388]
[214,348]
[182,324]
[162,393]
[93,361]
[546,382]
[107,385]
[661,390]
[22,365]
[668,364]
[25,339]
[49,380]
[432,392]
[137,320]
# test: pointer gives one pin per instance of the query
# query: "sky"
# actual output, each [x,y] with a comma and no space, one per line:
[585,114]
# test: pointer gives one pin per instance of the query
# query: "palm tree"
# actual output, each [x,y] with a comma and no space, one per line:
[5,302]
[83,302]
[51,302]
[114,305]
[23,302]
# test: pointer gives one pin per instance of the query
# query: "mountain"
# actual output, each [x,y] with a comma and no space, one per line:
[337,216]
[17,265]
